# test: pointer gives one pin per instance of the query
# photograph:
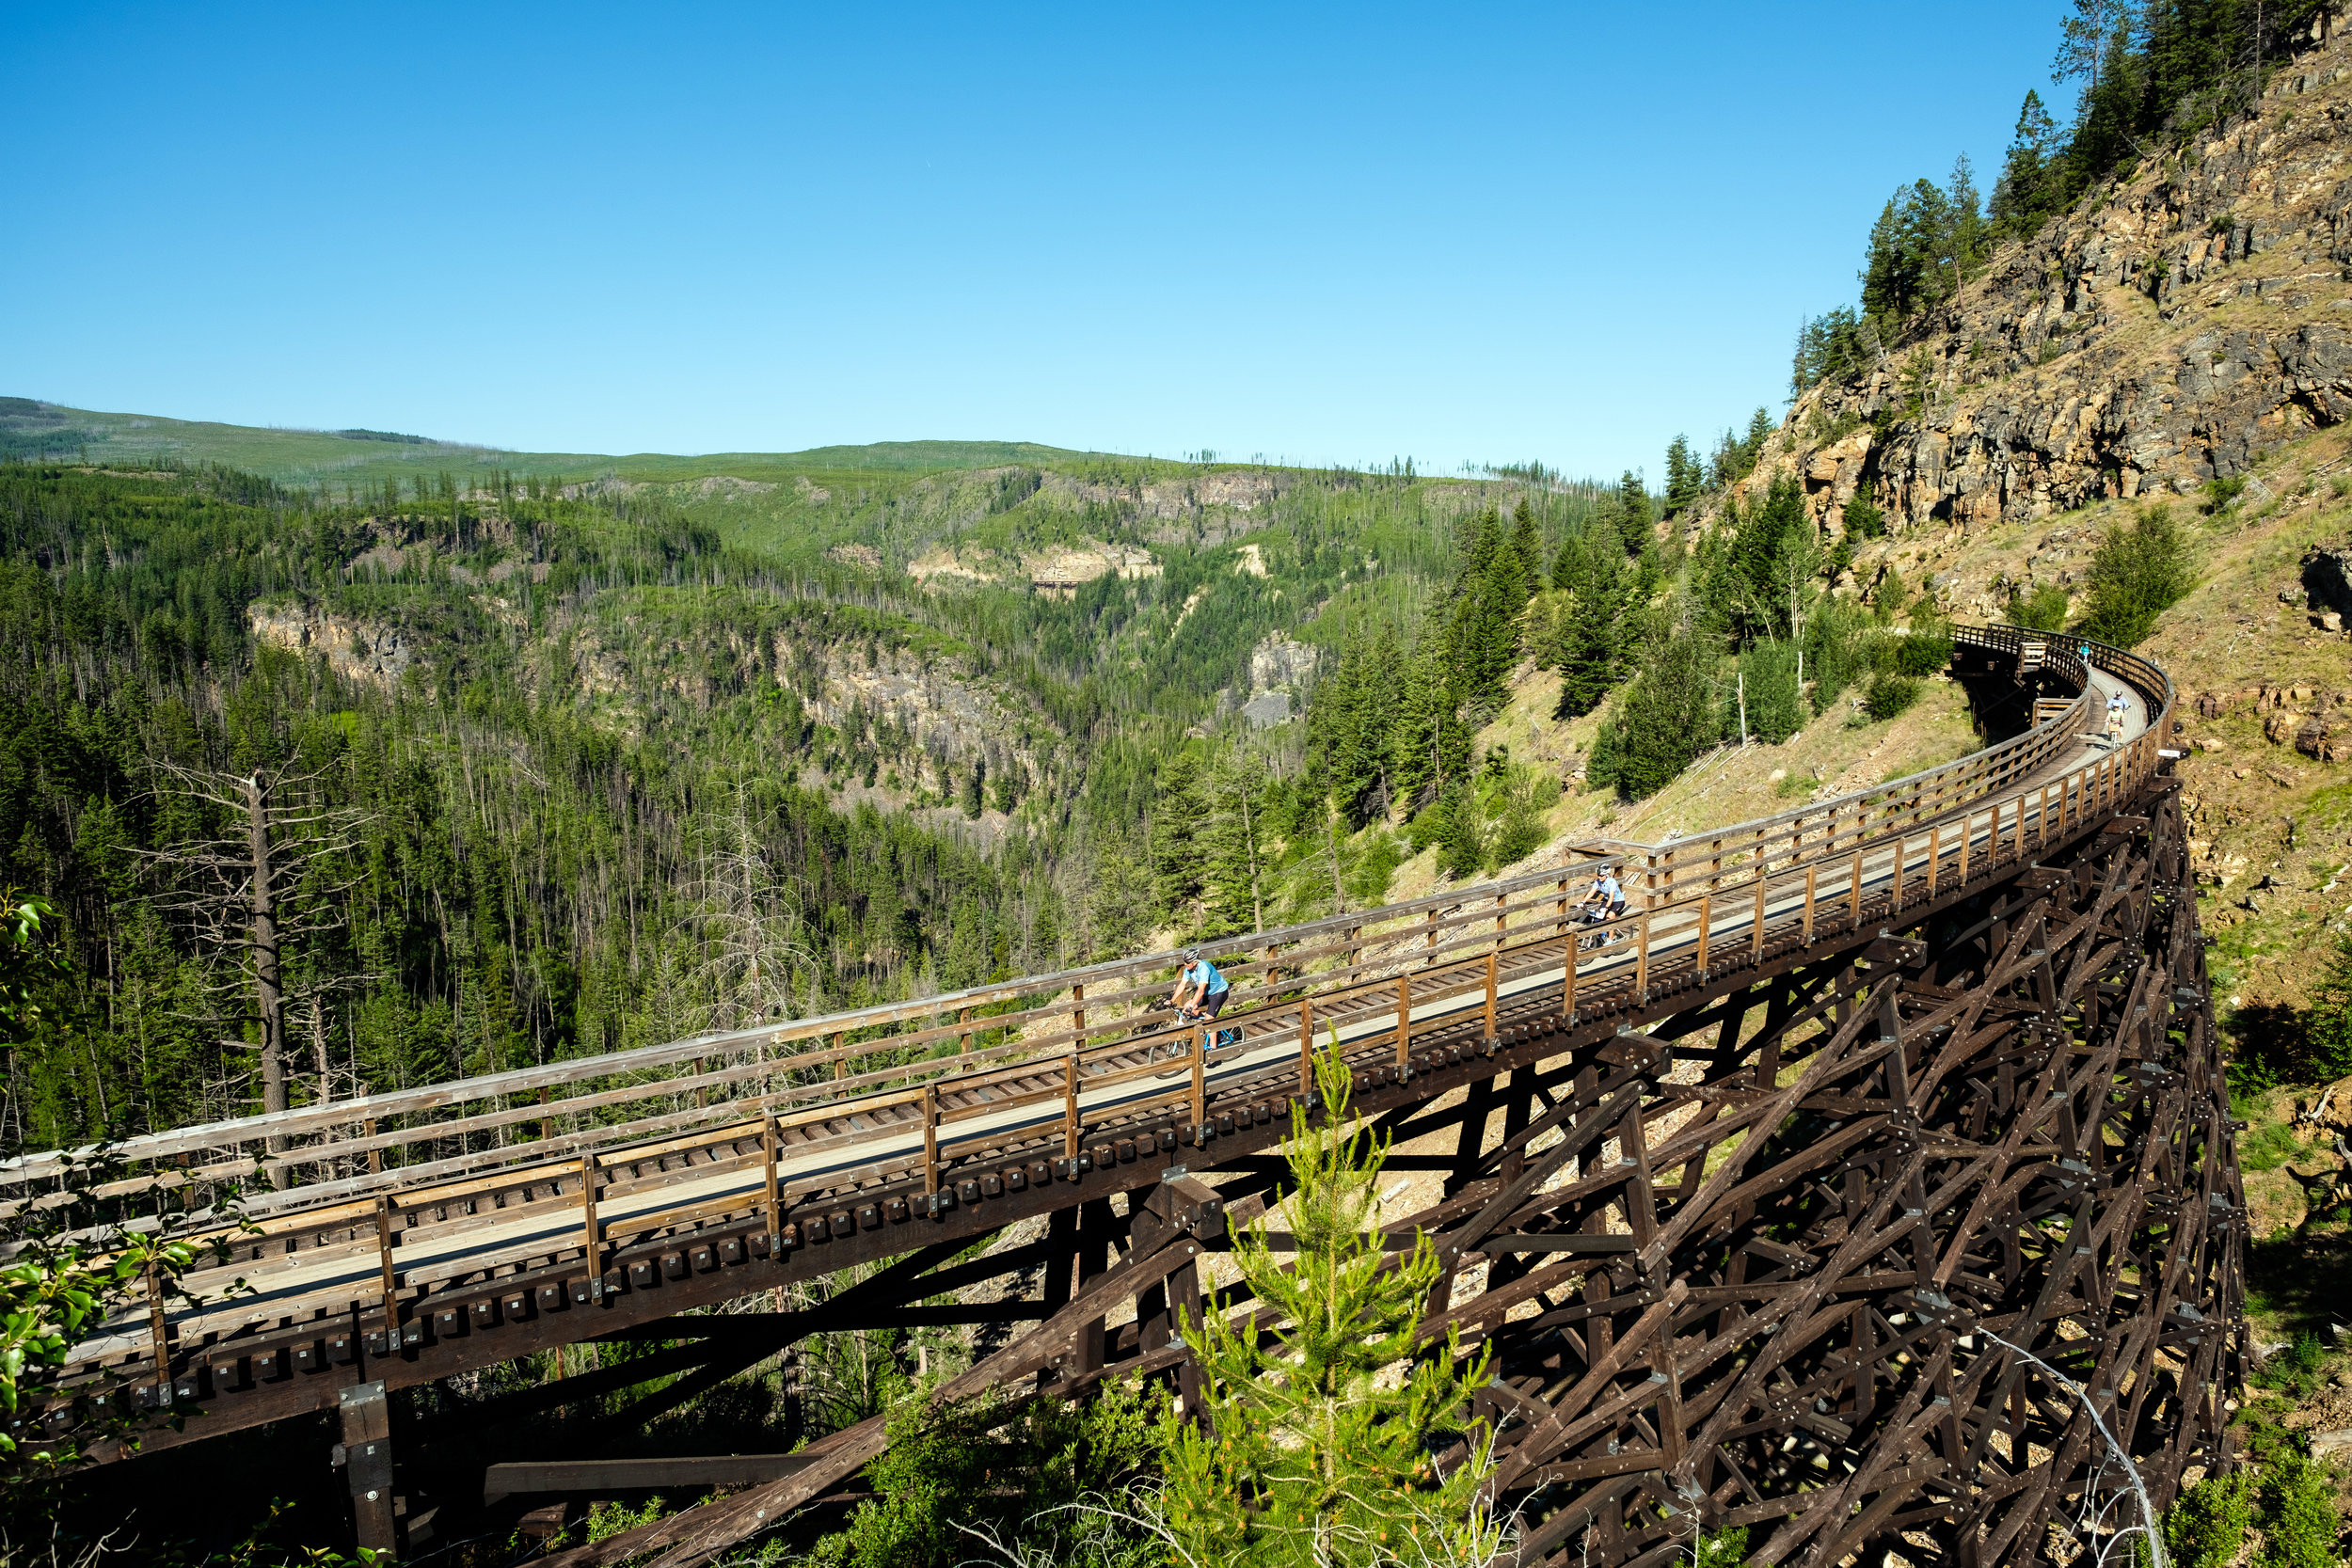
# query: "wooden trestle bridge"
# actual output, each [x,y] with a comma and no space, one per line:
[1879,1163]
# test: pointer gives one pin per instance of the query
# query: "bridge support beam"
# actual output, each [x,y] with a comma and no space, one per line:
[366,1455]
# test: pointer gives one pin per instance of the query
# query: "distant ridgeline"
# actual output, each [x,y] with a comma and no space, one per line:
[31,429]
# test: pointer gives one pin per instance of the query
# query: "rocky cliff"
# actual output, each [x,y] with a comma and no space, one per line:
[2166,332]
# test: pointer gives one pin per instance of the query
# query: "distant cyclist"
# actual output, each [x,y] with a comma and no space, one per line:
[2119,709]
[1200,990]
[1604,903]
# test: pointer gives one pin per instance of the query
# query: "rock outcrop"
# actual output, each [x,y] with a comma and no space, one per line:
[2162,335]
[372,651]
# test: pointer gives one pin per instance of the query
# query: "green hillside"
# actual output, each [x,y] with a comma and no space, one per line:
[302,459]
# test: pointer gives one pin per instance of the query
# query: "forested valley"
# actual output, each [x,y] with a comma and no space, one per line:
[546,768]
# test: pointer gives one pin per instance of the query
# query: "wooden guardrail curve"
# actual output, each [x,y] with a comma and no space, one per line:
[1672,884]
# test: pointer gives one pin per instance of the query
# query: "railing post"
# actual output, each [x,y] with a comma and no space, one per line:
[1755,947]
[1854,900]
[1078,1016]
[774,1194]
[1305,1048]
[930,1138]
[1895,894]
[1070,1112]
[1967,831]
[1706,911]
[1936,850]
[1569,944]
[841,1058]
[1199,1081]
[1811,871]
[1404,1020]
[547,1123]
[1493,965]
[1503,919]
[964,1045]
[1560,917]
[1431,943]
[376,1156]
[387,1282]
[159,1331]
[1355,949]
[1641,960]
[591,1235]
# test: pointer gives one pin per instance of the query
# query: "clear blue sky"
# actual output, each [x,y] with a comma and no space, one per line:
[1486,233]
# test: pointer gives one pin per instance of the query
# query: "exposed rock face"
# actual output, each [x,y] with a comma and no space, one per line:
[1281,660]
[1267,710]
[356,650]
[1065,568]
[1061,569]
[2154,339]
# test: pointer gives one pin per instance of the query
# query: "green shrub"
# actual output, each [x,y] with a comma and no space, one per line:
[1862,517]
[2044,609]
[1726,1548]
[1776,708]
[2138,573]
[2325,1048]
[2299,1526]
[2221,493]
[1429,826]
[1462,851]
[2295,1371]
[2267,1145]
[1516,806]
[1925,651]
[2208,1524]
[1888,696]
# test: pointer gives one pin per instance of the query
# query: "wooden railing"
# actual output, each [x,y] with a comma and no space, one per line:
[390,1178]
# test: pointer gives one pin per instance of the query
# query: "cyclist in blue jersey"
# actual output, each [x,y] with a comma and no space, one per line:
[1200,990]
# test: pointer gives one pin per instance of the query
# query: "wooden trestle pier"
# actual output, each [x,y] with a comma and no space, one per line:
[1786,1208]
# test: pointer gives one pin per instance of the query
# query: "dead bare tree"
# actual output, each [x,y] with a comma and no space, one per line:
[753,930]
[250,882]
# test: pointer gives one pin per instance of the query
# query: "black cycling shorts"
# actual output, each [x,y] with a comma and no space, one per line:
[1213,1004]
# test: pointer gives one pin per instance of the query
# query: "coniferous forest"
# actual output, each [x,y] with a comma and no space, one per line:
[539,769]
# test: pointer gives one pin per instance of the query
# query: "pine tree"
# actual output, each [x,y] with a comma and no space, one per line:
[1670,714]
[1489,596]
[2025,193]
[1634,516]
[1768,689]
[1527,557]
[1591,572]
[1967,245]
[1238,851]
[1338,1438]
[1431,743]
[1180,807]
[1683,477]
[1348,723]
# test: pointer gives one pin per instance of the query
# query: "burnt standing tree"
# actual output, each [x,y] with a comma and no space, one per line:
[260,873]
